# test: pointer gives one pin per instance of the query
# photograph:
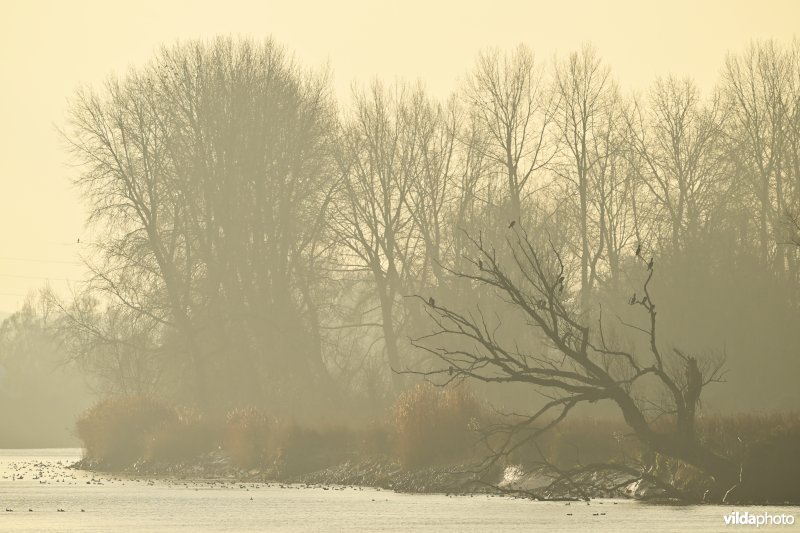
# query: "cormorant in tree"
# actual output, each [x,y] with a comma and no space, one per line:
[650,264]
[694,383]
[480,264]
[431,302]
[632,300]
[638,250]
[561,284]
[511,225]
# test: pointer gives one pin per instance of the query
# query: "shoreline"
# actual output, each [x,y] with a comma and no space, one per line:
[383,473]
[375,472]
[380,473]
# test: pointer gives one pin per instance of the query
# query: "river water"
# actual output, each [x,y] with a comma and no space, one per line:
[38,492]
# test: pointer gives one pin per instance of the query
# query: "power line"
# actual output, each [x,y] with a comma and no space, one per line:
[48,278]
[34,260]
[47,243]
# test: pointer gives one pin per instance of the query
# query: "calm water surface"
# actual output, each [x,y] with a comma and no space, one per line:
[39,480]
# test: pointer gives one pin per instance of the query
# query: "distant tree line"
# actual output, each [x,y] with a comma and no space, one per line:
[40,388]
[260,242]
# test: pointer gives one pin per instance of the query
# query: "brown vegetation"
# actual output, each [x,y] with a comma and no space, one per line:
[441,428]
[117,431]
[247,435]
[436,425]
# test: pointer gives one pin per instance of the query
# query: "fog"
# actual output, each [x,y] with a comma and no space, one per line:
[261,243]
[41,390]
[540,237]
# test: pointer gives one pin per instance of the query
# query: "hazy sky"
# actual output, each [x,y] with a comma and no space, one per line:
[47,49]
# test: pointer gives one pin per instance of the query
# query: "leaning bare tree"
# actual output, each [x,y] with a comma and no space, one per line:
[656,390]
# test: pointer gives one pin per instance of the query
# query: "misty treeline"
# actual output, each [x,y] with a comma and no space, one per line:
[261,243]
[41,389]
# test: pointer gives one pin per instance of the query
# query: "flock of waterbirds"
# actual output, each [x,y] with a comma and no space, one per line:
[46,473]
[59,472]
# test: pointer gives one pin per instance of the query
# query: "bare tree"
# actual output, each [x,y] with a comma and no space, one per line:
[586,118]
[678,138]
[205,172]
[471,185]
[655,389]
[378,162]
[120,349]
[515,109]
[433,194]
[122,145]
[757,86]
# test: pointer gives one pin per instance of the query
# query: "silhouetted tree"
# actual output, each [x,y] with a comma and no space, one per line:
[579,363]
[514,107]
[207,173]
[586,118]
[679,139]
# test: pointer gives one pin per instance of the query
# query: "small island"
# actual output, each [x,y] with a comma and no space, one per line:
[367,266]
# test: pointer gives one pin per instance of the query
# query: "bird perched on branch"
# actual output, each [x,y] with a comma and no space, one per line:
[650,264]
[638,250]
[511,225]
[632,300]
[431,302]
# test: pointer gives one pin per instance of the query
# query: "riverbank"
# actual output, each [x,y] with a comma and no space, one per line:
[376,472]
[385,473]
[382,473]
[66,499]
